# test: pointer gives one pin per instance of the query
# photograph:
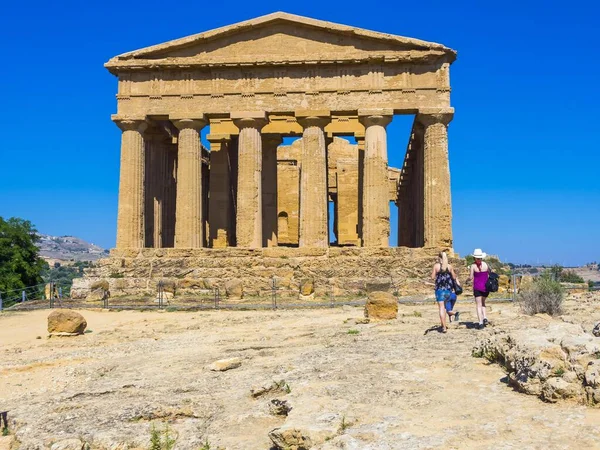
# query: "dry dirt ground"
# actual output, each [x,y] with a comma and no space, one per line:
[387,385]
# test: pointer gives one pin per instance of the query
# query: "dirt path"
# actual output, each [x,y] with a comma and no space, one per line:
[381,385]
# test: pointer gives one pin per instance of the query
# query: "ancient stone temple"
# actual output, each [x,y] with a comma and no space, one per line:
[243,89]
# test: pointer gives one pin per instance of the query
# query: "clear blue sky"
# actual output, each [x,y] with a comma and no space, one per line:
[523,144]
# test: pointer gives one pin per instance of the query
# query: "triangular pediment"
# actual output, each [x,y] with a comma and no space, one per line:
[282,38]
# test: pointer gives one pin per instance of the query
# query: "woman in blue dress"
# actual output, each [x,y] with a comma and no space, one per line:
[444,277]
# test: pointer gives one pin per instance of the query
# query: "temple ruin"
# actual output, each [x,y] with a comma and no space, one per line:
[245,88]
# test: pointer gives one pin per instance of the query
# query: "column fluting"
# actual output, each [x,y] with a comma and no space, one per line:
[130,216]
[189,230]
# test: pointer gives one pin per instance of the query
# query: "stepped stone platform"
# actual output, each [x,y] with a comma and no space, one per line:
[237,272]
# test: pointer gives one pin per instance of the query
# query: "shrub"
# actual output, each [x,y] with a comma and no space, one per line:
[543,296]
[569,276]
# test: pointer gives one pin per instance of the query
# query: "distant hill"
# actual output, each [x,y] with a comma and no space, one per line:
[67,248]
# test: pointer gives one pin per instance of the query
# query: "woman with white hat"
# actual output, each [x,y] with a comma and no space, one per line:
[479,274]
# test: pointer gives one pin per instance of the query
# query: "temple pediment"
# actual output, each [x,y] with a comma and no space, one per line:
[281,38]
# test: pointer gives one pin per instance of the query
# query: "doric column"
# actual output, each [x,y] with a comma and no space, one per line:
[130,219]
[249,185]
[269,188]
[313,180]
[376,201]
[437,218]
[189,232]
[360,144]
[220,201]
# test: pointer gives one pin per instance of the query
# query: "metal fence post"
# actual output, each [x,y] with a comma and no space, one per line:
[273,293]
[51,299]
[331,299]
[161,289]
[0,302]
[23,297]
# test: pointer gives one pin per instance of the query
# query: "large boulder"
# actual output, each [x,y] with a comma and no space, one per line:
[67,322]
[381,305]
[307,286]
[234,288]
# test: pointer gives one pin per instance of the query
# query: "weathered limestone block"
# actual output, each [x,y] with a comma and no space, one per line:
[222,365]
[307,286]
[592,374]
[66,321]
[305,428]
[596,330]
[381,305]
[234,289]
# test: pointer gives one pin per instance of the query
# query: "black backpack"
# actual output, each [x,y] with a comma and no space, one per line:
[491,285]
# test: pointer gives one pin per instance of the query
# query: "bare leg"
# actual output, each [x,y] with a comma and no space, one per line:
[442,308]
[484,316]
[480,309]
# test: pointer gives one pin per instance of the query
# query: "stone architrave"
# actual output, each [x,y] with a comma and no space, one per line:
[220,202]
[130,217]
[437,218]
[313,180]
[249,185]
[189,231]
[376,207]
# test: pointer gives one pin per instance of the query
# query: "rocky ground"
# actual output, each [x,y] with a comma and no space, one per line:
[350,385]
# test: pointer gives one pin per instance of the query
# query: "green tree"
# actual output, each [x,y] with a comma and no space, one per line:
[63,275]
[20,265]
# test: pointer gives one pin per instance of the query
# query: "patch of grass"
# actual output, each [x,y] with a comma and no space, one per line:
[171,309]
[417,314]
[597,354]
[88,331]
[353,331]
[559,372]
[282,385]
[116,275]
[161,439]
[205,446]
[5,431]
[343,425]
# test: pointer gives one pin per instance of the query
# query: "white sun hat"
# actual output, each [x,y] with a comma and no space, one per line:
[477,253]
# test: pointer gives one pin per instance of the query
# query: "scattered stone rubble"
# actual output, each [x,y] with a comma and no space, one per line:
[548,358]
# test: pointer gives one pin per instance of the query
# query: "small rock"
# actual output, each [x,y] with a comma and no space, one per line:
[592,374]
[67,444]
[307,286]
[6,442]
[557,388]
[66,321]
[596,330]
[272,386]
[225,364]
[279,407]
[381,305]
